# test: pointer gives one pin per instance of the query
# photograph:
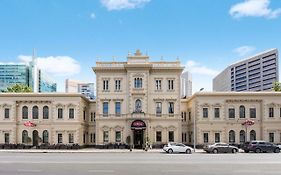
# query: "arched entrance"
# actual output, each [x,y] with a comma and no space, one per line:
[138,127]
[35,138]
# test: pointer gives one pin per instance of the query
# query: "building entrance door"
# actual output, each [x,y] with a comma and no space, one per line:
[138,139]
[35,138]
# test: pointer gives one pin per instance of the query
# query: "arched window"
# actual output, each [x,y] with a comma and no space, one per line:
[45,136]
[252,135]
[242,111]
[231,136]
[138,105]
[25,112]
[24,136]
[35,112]
[45,112]
[242,136]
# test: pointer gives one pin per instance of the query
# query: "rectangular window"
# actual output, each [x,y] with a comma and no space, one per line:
[117,85]
[158,136]
[231,113]
[271,137]
[84,115]
[70,138]
[253,113]
[105,108]
[205,112]
[189,116]
[71,113]
[184,116]
[271,112]
[158,84]
[171,84]
[105,136]
[92,117]
[105,85]
[118,108]
[158,108]
[91,138]
[217,137]
[138,82]
[280,112]
[217,112]
[171,108]
[94,137]
[7,138]
[59,138]
[171,136]
[60,113]
[206,137]
[7,113]
[118,136]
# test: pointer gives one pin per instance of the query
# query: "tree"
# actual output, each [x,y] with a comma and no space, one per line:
[18,88]
[277,86]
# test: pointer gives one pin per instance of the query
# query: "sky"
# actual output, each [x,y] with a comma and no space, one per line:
[69,36]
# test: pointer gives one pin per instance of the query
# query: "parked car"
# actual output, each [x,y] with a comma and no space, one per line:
[260,146]
[220,148]
[177,148]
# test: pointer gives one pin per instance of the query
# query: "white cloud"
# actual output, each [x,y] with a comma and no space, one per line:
[93,15]
[197,68]
[254,8]
[244,50]
[55,65]
[123,4]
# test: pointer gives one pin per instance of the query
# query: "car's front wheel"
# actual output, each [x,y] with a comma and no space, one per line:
[215,151]
[170,151]
[258,150]
[234,150]
[277,150]
[188,151]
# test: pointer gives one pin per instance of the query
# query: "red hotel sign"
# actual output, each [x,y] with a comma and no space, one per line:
[29,124]
[138,125]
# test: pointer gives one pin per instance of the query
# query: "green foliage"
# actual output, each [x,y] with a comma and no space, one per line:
[18,88]
[277,86]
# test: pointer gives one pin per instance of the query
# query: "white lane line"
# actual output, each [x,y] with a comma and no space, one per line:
[100,171]
[29,171]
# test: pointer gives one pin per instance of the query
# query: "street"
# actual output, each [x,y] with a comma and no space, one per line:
[139,163]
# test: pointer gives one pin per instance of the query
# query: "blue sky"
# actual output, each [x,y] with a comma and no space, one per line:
[69,35]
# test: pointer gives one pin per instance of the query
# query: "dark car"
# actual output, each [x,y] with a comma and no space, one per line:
[260,147]
[220,148]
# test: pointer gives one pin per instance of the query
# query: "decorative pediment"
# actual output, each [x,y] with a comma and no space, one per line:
[5,105]
[158,99]
[171,127]
[118,99]
[217,105]
[158,128]
[105,128]
[205,105]
[71,105]
[138,75]
[272,104]
[59,105]
[118,128]
[171,99]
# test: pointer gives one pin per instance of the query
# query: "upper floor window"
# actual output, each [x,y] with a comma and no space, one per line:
[25,112]
[35,112]
[253,113]
[117,108]
[242,111]
[158,108]
[92,116]
[117,85]
[71,113]
[45,112]
[60,113]
[7,113]
[271,112]
[171,108]
[105,108]
[171,84]
[138,106]
[217,112]
[231,113]
[138,82]
[105,85]
[205,112]
[158,84]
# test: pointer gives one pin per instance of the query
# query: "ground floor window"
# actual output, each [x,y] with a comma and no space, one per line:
[24,136]
[91,138]
[59,138]
[84,138]
[271,137]
[217,137]
[70,138]
[253,135]
[242,136]
[7,138]
[105,136]
[45,136]
[231,136]
[189,137]
[118,136]
[206,137]
[94,137]
[171,136]
[158,136]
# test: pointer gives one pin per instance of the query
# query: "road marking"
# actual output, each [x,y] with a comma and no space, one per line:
[100,171]
[29,171]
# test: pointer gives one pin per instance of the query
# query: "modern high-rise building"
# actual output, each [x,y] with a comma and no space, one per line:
[74,86]
[186,84]
[30,75]
[256,73]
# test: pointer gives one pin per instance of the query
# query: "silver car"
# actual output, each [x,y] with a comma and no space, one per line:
[177,148]
[220,148]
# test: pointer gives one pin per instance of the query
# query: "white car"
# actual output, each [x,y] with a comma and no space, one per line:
[177,148]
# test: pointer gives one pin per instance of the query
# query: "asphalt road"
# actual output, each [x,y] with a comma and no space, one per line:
[139,164]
